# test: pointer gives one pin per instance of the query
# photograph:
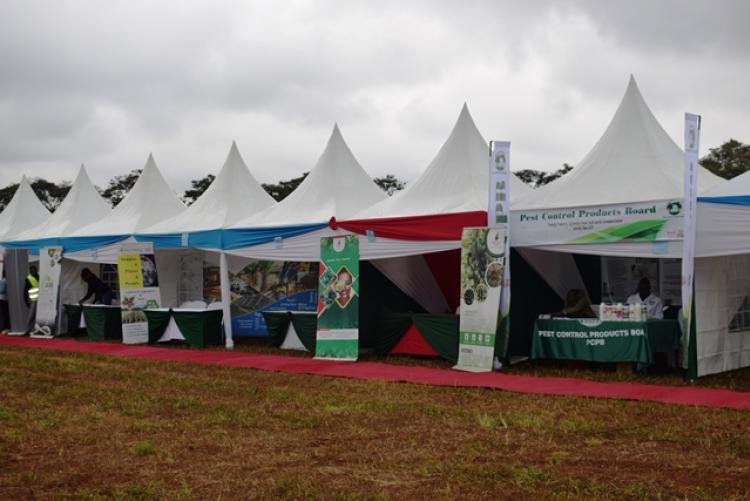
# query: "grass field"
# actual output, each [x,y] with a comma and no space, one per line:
[90,427]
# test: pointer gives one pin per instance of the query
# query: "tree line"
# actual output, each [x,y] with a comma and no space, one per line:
[728,160]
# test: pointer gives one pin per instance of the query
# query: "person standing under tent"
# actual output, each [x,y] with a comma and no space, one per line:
[31,295]
[95,287]
[643,295]
[4,311]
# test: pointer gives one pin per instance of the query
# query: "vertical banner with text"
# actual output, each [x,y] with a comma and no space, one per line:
[49,289]
[692,143]
[498,216]
[338,298]
[482,263]
[139,289]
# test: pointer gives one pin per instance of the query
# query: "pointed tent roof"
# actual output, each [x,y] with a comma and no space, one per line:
[634,160]
[82,205]
[737,186]
[234,195]
[457,179]
[24,211]
[149,201]
[337,186]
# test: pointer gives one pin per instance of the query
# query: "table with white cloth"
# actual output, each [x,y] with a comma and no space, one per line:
[198,327]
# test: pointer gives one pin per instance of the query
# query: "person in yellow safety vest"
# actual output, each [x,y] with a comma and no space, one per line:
[31,295]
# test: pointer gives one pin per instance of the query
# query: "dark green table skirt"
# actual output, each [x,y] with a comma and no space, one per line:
[103,322]
[607,341]
[73,313]
[305,325]
[200,328]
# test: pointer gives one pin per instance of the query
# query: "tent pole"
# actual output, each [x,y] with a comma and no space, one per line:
[226,299]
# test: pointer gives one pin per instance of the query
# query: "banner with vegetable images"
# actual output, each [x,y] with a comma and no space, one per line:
[497,216]
[482,267]
[260,286]
[338,299]
[49,288]
[139,290]
[636,222]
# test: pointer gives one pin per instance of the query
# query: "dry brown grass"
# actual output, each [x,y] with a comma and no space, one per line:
[80,426]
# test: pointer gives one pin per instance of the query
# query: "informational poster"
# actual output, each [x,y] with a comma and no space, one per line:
[338,299]
[635,222]
[49,291]
[692,143]
[263,286]
[482,263]
[139,289]
[498,217]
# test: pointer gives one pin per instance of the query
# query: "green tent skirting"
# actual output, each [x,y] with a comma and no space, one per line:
[73,312]
[200,328]
[103,323]
[305,324]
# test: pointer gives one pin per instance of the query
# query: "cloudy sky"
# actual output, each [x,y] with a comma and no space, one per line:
[105,83]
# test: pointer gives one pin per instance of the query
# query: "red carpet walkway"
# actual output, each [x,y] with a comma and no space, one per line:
[681,395]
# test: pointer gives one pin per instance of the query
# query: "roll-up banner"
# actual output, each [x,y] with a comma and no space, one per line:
[482,263]
[498,216]
[49,292]
[338,299]
[692,143]
[139,289]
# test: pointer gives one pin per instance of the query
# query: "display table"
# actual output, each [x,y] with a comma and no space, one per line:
[102,321]
[76,323]
[304,323]
[199,327]
[604,341]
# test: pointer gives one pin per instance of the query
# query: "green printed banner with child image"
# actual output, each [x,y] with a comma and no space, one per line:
[139,290]
[338,299]
[482,267]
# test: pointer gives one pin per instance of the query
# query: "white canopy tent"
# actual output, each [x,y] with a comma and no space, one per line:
[82,205]
[150,201]
[722,273]
[635,161]
[233,195]
[24,211]
[336,187]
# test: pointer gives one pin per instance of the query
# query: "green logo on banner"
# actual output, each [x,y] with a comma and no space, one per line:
[674,208]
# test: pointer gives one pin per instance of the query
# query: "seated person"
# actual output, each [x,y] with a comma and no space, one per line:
[576,306]
[102,294]
[643,295]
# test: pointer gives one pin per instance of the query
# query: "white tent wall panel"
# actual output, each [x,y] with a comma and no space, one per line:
[721,286]
[168,269]
[413,276]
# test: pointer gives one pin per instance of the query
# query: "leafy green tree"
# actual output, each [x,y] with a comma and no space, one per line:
[728,160]
[282,190]
[390,184]
[50,194]
[537,178]
[119,186]
[197,188]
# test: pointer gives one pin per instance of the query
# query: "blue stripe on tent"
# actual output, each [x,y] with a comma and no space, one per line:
[69,244]
[731,200]
[208,239]
[239,238]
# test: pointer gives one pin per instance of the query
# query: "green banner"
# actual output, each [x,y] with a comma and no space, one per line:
[593,340]
[338,299]
[482,268]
